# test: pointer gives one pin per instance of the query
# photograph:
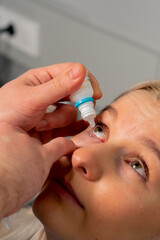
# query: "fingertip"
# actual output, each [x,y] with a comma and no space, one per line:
[97,94]
[95,84]
[82,69]
[77,72]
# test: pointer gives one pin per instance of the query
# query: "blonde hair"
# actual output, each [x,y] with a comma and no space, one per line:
[153,87]
[23,226]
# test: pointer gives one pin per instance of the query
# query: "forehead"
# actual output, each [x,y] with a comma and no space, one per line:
[137,113]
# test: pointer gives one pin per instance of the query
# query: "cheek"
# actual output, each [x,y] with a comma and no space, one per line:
[113,204]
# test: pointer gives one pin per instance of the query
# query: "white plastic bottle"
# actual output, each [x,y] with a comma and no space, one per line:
[84,102]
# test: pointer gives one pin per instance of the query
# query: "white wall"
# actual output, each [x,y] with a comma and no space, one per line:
[136,21]
[116,40]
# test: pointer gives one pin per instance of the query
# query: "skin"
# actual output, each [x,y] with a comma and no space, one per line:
[25,146]
[119,201]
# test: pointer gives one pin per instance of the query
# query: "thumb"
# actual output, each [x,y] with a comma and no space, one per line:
[57,148]
[59,87]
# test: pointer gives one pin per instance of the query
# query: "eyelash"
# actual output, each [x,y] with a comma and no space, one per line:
[140,159]
[97,122]
[137,158]
[104,128]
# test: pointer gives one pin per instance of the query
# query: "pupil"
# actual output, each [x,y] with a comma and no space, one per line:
[98,129]
[136,165]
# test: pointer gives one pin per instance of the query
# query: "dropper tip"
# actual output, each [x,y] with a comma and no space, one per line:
[91,122]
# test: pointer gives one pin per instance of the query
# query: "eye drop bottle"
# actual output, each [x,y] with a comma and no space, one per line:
[84,102]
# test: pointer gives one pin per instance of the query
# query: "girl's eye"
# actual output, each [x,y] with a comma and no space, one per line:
[99,131]
[140,167]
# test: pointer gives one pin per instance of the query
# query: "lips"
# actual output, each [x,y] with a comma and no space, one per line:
[68,188]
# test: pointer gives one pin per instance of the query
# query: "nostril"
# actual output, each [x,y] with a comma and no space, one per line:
[84,170]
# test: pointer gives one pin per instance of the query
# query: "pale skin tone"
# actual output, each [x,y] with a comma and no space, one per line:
[115,174]
[25,146]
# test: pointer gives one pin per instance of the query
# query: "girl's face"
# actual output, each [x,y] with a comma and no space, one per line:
[109,188]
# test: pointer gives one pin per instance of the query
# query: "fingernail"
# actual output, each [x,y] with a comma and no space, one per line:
[74,72]
[43,123]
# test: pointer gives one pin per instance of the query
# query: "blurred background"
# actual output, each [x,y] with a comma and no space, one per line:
[117,40]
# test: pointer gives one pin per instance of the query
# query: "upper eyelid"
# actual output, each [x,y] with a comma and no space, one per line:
[99,122]
[104,126]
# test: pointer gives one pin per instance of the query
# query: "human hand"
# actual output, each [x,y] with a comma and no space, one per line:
[25,165]
[25,99]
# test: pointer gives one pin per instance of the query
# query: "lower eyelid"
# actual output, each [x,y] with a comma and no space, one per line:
[93,137]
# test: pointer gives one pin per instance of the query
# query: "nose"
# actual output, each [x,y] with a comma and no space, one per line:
[88,162]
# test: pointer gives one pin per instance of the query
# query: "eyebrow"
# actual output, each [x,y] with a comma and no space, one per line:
[151,145]
[111,110]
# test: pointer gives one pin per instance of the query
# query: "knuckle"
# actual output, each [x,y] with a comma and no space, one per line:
[56,83]
[30,71]
[29,74]
[62,85]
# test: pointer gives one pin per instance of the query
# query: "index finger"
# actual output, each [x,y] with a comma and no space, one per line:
[97,93]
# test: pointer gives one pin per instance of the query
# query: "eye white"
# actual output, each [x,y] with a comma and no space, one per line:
[99,132]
